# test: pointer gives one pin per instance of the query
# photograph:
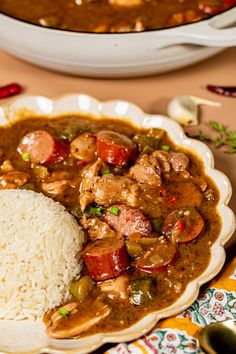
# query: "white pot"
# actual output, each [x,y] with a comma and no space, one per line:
[117,54]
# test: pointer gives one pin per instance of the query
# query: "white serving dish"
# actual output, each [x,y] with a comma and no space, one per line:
[29,337]
[118,54]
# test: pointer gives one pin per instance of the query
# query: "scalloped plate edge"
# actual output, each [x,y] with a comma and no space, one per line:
[30,106]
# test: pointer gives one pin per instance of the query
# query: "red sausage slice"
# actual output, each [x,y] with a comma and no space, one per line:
[128,222]
[106,258]
[158,256]
[183,225]
[115,148]
[41,147]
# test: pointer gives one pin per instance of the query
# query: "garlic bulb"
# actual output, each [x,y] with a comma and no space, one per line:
[184,109]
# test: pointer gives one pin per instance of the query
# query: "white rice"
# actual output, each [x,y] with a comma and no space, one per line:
[40,246]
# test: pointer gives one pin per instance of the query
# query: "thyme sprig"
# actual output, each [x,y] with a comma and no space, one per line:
[224,138]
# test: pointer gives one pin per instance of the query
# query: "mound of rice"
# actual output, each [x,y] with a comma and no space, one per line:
[40,246]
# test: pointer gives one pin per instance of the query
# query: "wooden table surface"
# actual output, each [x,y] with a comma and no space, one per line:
[150,93]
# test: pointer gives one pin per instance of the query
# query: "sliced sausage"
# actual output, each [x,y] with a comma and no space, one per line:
[128,222]
[105,259]
[84,147]
[183,225]
[158,255]
[115,148]
[147,171]
[41,147]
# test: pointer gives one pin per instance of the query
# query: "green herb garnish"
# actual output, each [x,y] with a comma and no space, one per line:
[114,211]
[165,147]
[96,211]
[64,312]
[26,156]
[224,138]
[105,172]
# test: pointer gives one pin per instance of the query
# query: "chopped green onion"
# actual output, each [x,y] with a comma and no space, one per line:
[114,211]
[64,312]
[105,172]
[165,147]
[96,211]
[26,156]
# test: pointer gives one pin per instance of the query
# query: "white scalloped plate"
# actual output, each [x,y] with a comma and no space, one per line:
[29,337]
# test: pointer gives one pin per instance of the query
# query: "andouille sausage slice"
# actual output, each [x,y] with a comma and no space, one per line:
[157,257]
[106,258]
[127,221]
[40,146]
[183,225]
[115,148]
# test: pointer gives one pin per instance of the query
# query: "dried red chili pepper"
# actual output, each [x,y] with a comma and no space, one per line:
[179,226]
[223,90]
[10,90]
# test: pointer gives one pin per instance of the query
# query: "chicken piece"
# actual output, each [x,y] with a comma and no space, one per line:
[7,166]
[79,322]
[68,307]
[117,288]
[53,189]
[147,171]
[88,174]
[126,3]
[110,189]
[96,228]
[85,198]
[13,180]
[58,175]
[56,184]
[163,159]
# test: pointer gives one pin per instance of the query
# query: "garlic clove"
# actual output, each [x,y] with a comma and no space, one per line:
[203,101]
[184,109]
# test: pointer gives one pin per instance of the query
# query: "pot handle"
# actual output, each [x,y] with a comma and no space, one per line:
[202,33]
